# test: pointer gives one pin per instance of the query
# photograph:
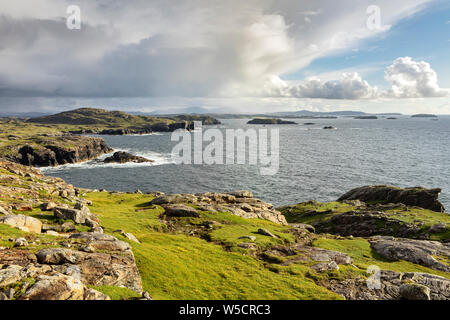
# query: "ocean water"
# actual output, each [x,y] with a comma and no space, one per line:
[315,164]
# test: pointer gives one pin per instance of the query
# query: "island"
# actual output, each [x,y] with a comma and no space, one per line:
[424,115]
[269,121]
[366,117]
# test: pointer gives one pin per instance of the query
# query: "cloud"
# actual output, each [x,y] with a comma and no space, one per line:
[412,79]
[408,79]
[350,86]
[198,48]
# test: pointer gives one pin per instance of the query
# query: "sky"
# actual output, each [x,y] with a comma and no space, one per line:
[225,56]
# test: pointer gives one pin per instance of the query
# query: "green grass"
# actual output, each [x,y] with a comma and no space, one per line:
[116,293]
[178,266]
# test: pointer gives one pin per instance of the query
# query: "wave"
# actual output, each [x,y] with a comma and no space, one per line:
[158,158]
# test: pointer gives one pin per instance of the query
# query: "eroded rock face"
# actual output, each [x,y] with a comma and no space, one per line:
[60,150]
[124,157]
[391,286]
[240,203]
[419,197]
[416,251]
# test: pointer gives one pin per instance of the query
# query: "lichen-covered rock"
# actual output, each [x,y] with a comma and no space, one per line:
[55,287]
[416,251]
[24,223]
[414,291]
[81,216]
[418,196]
[240,203]
[180,210]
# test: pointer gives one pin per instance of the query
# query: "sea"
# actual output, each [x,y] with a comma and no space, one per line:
[314,163]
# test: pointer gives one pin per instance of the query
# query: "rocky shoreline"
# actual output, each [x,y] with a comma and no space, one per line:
[65,250]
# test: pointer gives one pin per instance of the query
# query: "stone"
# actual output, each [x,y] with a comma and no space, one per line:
[48,206]
[10,275]
[131,237]
[438,228]
[124,157]
[252,238]
[80,216]
[4,211]
[241,194]
[55,287]
[180,210]
[417,196]
[146,295]
[326,266]
[55,256]
[52,233]
[20,242]
[414,291]
[25,223]
[420,252]
[247,245]
[265,232]
[91,294]
[304,226]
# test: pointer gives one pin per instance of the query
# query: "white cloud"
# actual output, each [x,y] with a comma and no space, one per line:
[350,86]
[412,79]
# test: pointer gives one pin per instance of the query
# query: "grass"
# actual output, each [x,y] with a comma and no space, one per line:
[178,266]
[116,293]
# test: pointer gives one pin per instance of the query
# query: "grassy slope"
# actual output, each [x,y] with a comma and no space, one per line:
[177,266]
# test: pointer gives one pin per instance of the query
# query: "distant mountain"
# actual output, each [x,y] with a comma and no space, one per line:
[23,115]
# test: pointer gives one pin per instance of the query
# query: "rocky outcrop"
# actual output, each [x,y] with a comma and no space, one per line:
[59,150]
[366,223]
[240,203]
[125,157]
[419,197]
[430,254]
[391,285]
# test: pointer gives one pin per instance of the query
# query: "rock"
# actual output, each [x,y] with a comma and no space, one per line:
[414,291]
[97,230]
[124,157]
[96,269]
[366,223]
[252,238]
[247,245]
[146,295]
[9,275]
[326,266]
[91,294]
[131,237]
[23,207]
[3,297]
[55,287]
[438,228]
[81,216]
[418,196]
[59,256]
[53,151]
[328,127]
[25,223]
[180,210]
[48,206]
[17,257]
[304,226]
[265,232]
[20,242]
[4,211]
[416,251]
[242,194]
[52,233]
